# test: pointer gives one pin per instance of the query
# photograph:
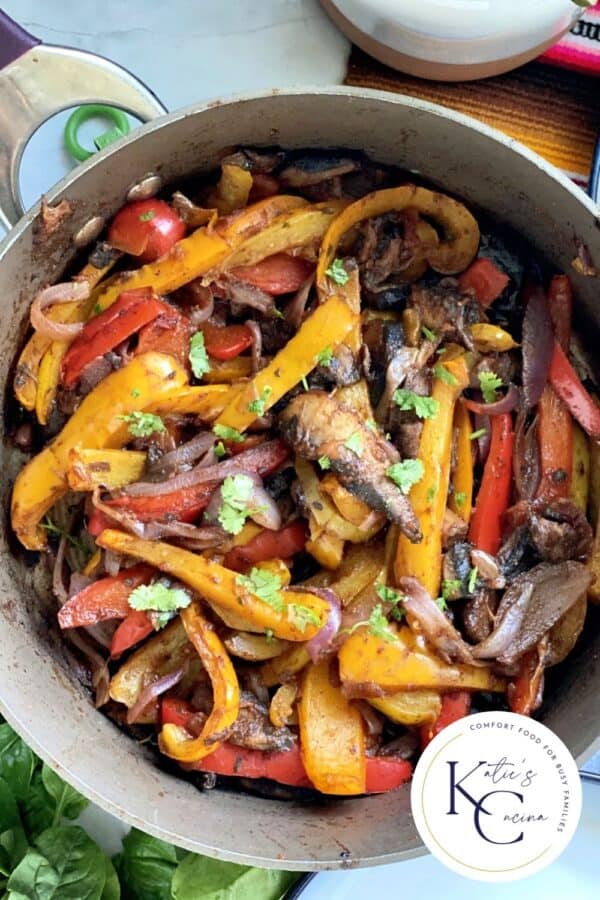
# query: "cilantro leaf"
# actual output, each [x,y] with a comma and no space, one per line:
[489,383]
[324,462]
[424,407]
[302,616]
[220,450]
[379,625]
[259,406]
[263,584]
[428,333]
[136,393]
[228,434]
[355,443]
[388,594]
[143,424]
[406,473]
[477,434]
[337,272]
[444,375]
[305,383]
[325,357]
[159,598]
[147,216]
[442,604]
[460,498]
[449,587]
[236,493]
[198,356]
[431,492]
[472,579]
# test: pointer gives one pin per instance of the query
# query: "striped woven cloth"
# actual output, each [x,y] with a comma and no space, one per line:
[553,111]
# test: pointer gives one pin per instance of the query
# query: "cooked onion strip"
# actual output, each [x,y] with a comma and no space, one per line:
[66,292]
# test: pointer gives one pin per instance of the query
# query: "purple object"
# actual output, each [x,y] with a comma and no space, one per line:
[14,40]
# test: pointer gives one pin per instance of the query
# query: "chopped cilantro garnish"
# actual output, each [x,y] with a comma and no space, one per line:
[472,579]
[236,493]
[305,383]
[97,309]
[136,393]
[424,407]
[159,598]
[388,594]
[220,450]
[337,272]
[259,406]
[406,473]
[147,216]
[264,585]
[441,602]
[302,616]
[477,434]
[355,443]
[444,375]
[428,333]
[197,356]
[325,357]
[371,425]
[460,498]
[277,313]
[450,586]
[379,625]
[431,492]
[228,434]
[269,635]
[324,462]
[489,383]
[143,424]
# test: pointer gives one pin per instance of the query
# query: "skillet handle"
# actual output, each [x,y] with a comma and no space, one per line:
[38,80]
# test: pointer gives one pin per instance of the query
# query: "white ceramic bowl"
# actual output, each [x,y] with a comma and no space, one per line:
[453,40]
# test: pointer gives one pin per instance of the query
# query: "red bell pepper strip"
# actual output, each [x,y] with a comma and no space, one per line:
[135,628]
[485,531]
[228,342]
[485,279]
[277,274]
[555,425]
[104,332]
[98,521]
[168,333]
[268,545]
[105,599]
[565,381]
[455,706]
[186,504]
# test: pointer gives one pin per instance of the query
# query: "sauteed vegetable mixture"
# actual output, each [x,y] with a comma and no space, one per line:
[317,472]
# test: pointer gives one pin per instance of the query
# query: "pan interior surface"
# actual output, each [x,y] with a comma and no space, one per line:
[38,692]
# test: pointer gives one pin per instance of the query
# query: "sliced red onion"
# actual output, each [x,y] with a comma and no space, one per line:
[98,666]
[102,632]
[437,629]
[527,465]
[372,719]
[112,560]
[58,293]
[151,692]
[504,405]
[537,344]
[187,454]
[78,582]
[93,374]
[261,506]
[58,583]
[320,644]
[256,343]
[482,423]
[294,311]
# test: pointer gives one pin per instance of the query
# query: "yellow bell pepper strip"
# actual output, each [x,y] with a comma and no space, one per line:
[327,326]
[580,476]
[326,549]
[332,738]
[489,338]
[92,564]
[175,741]
[26,378]
[232,190]
[162,653]
[228,370]
[429,495]
[447,257]
[225,588]
[350,507]
[49,379]
[110,469]
[254,647]
[98,422]
[371,666]
[203,401]
[410,707]
[284,667]
[302,227]
[281,708]
[461,498]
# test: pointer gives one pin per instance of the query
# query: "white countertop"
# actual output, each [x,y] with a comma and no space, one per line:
[188,50]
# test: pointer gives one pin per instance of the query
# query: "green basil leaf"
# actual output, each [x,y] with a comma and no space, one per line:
[112,888]
[17,762]
[146,867]
[69,802]
[37,809]
[201,878]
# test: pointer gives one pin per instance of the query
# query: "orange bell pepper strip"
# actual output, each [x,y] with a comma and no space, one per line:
[461,497]
[99,422]
[555,424]
[448,256]
[429,495]
[105,599]
[332,738]
[493,498]
[175,741]
[294,615]
[326,327]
